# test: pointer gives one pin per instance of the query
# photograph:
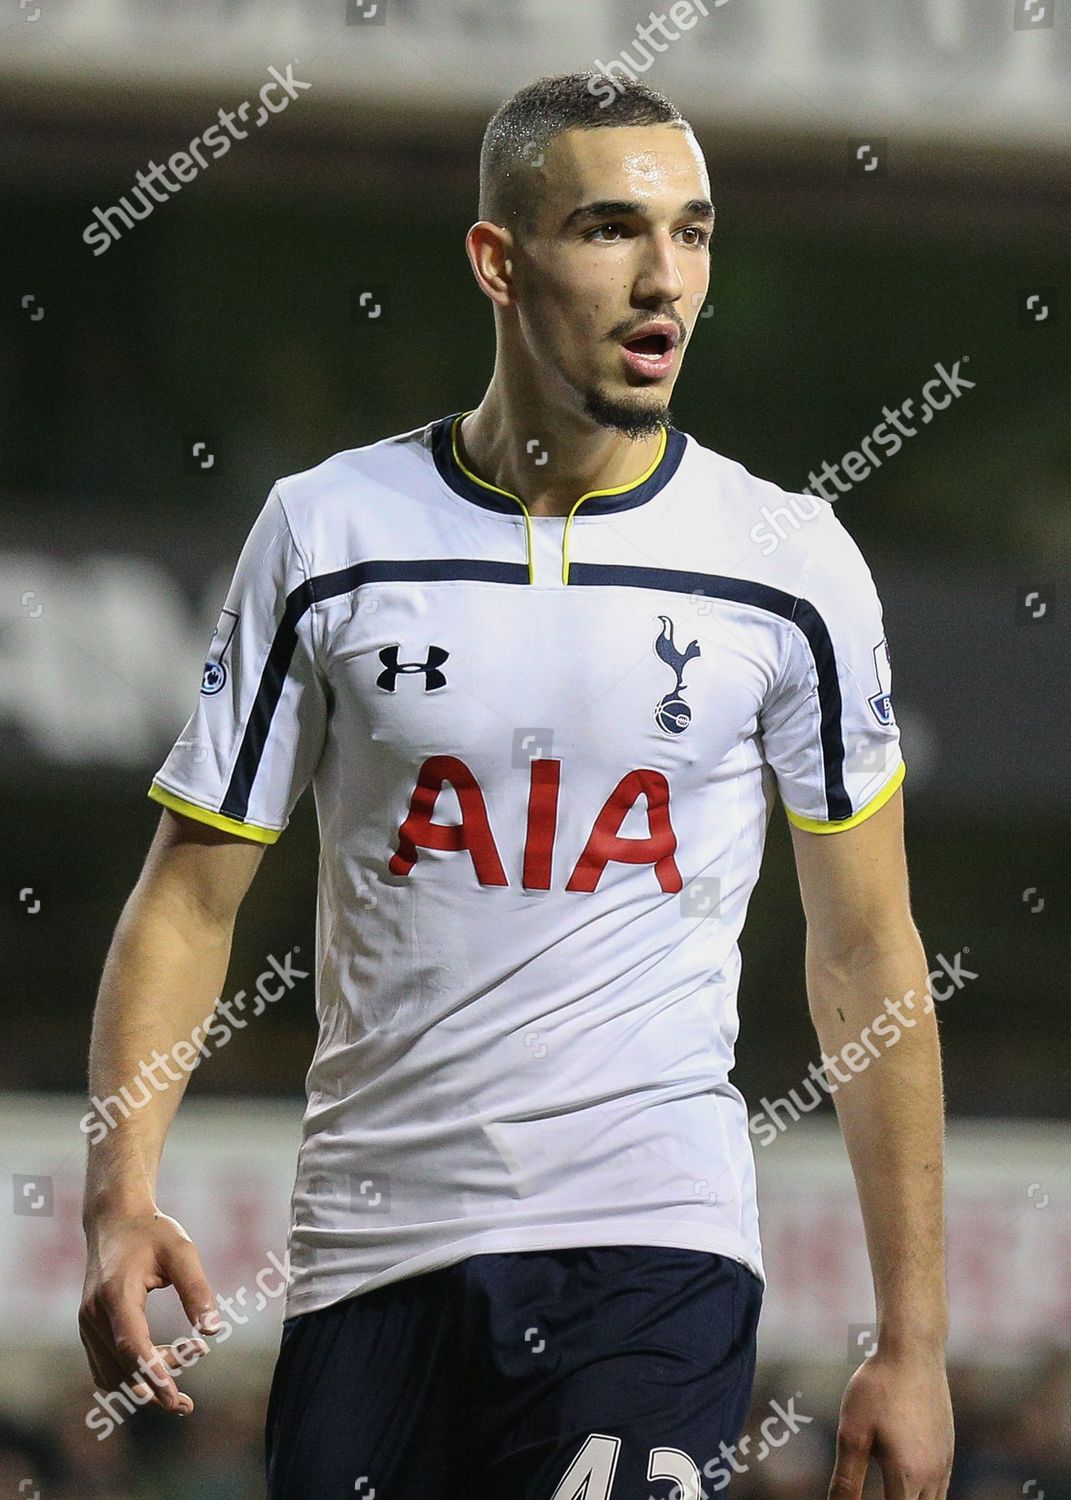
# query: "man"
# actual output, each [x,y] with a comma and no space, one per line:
[547,684]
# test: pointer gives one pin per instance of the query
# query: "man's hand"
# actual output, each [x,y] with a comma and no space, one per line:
[166,964]
[896,1410]
[131,1254]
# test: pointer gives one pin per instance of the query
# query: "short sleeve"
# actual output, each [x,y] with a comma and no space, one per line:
[256,734]
[828,728]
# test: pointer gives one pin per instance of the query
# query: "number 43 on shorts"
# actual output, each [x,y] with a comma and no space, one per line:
[590,1476]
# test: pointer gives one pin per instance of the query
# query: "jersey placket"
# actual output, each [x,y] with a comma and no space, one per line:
[547,534]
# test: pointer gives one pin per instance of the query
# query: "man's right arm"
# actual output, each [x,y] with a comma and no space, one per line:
[165,969]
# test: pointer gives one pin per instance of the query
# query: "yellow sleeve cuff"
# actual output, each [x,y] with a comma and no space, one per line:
[816,825]
[213,819]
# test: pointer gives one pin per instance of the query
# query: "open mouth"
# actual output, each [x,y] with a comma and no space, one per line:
[651,353]
[653,345]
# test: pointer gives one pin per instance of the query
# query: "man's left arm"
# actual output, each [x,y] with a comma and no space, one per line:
[863,951]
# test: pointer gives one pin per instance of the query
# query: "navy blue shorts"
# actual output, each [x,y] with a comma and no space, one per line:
[519,1376]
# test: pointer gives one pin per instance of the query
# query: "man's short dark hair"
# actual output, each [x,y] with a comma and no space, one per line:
[520,130]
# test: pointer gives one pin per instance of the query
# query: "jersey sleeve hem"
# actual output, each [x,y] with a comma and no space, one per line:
[817,825]
[214,819]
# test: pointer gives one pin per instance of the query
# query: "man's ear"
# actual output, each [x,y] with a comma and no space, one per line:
[491,249]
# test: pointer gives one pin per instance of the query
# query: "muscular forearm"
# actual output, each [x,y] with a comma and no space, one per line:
[165,969]
[891,1112]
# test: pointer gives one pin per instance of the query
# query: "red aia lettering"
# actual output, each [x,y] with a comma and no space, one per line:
[542,821]
[473,833]
[603,844]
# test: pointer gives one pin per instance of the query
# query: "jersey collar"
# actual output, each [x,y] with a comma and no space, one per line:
[596,502]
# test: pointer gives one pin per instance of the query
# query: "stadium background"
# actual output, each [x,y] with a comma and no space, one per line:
[891,187]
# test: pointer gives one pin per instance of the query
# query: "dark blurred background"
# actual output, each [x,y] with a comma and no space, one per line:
[891,188]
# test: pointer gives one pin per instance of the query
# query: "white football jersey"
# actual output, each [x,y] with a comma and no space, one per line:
[544,752]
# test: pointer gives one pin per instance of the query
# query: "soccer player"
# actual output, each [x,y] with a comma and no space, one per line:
[548,664]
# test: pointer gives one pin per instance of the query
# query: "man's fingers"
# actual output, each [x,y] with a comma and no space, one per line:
[182,1355]
[108,1375]
[179,1357]
[849,1471]
[102,1365]
[107,1371]
[900,1483]
[940,1492]
[189,1280]
[148,1371]
[182,1407]
[894,1486]
[136,1353]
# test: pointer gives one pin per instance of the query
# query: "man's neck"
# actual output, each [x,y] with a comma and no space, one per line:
[549,470]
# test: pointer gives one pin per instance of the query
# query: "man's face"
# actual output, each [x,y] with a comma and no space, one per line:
[620,240]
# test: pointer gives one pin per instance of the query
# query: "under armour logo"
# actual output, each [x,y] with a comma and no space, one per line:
[433,678]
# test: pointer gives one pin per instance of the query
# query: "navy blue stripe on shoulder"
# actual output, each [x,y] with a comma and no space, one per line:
[315,591]
[799,612]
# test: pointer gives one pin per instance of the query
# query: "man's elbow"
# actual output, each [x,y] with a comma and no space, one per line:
[850,950]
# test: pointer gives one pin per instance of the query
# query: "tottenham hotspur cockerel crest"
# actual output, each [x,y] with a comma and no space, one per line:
[671,712]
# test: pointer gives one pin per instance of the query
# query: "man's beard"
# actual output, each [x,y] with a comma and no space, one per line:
[634,420]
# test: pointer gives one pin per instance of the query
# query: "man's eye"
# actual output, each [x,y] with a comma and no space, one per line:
[616,229]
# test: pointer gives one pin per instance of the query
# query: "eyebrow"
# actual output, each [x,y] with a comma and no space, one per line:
[621,208]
